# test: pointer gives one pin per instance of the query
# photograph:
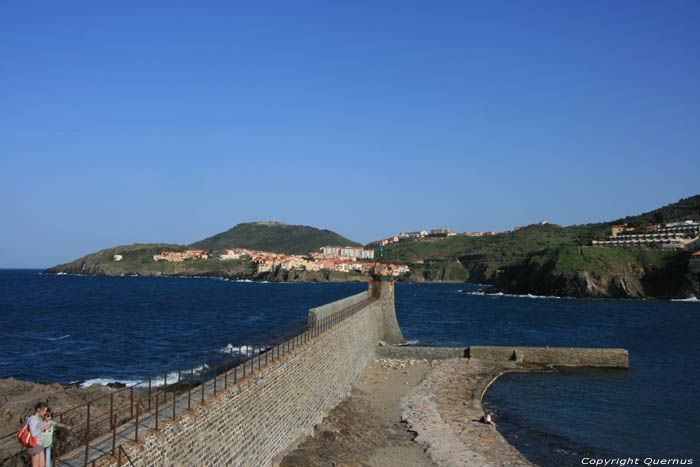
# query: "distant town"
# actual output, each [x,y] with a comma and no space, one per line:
[676,236]
[332,258]
[439,233]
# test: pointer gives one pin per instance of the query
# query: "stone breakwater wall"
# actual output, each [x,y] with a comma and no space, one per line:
[557,356]
[252,422]
[420,353]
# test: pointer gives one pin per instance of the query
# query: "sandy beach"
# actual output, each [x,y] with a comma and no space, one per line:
[411,413]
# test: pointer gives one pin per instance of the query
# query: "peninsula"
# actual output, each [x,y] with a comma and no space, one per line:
[645,256]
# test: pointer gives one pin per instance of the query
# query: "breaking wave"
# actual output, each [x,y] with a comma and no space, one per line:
[58,338]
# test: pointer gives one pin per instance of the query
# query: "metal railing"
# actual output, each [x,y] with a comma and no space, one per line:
[102,425]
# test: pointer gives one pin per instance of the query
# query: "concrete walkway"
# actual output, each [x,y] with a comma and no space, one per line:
[445,409]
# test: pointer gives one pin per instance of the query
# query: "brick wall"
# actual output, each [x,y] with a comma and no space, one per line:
[249,424]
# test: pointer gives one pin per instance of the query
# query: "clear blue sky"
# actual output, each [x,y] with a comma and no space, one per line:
[125,122]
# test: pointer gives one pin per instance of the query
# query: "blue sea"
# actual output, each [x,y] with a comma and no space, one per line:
[86,329]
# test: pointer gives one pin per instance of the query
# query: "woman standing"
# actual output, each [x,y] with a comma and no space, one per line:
[37,429]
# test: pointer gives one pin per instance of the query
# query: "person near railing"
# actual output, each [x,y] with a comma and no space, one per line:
[48,434]
[37,428]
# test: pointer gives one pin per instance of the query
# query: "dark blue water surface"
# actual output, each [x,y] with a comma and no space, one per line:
[82,328]
[651,410]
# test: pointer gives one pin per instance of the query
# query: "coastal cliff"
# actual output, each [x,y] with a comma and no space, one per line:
[589,272]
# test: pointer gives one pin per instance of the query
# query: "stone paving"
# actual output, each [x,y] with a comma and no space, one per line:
[366,429]
[412,413]
[445,409]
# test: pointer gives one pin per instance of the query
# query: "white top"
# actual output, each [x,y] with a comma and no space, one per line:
[35,425]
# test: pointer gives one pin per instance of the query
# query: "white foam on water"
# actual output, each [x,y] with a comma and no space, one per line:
[58,338]
[106,381]
[240,349]
[159,382]
[689,299]
[501,294]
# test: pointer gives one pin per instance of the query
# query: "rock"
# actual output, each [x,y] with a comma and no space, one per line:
[20,397]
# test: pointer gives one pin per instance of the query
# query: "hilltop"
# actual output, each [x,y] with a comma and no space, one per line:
[273,236]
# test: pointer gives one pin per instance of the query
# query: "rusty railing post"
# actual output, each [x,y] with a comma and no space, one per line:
[149,394]
[189,389]
[223,360]
[252,359]
[157,404]
[213,358]
[119,457]
[204,377]
[111,409]
[114,435]
[87,434]
[175,392]
[136,434]
[132,402]
[165,386]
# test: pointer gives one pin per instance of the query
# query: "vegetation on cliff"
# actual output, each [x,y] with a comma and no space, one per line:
[552,260]
[684,209]
[600,272]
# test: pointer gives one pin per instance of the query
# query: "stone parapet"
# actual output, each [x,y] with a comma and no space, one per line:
[557,356]
[420,353]
[324,311]
[252,422]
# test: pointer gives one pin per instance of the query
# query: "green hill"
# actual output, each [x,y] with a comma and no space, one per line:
[553,260]
[684,209]
[273,236]
[137,259]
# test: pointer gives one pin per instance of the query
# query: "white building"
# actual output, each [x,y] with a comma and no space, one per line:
[348,252]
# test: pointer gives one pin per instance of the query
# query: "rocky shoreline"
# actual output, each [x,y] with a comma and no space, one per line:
[17,401]
[552,287]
